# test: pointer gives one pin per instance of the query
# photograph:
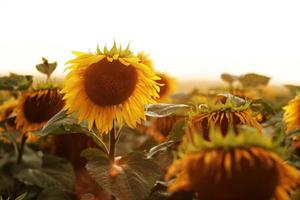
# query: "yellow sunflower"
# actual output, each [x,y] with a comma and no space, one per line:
[292,114]
[145,59]
[167,84]
[223,116]
[112,85]
[36,107]
[242,167]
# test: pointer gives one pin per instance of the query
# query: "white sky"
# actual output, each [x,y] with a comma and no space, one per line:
[189,39]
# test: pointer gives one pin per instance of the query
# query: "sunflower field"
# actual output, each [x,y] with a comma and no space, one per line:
[115,128]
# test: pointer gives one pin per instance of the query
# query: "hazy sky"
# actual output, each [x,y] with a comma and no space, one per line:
[188,39]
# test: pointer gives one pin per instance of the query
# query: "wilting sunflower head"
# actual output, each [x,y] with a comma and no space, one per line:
[36,107]
[223,114]
[113,84]
[7,113]
[160,127]
[167,86]
[234,167]
[292,114]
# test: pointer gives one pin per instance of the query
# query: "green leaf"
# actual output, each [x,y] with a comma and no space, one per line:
[6,182]
[15,82]
[53,194]
[22,196]
[46,67]
[253,80]
[228,78]
[177,131]
[54,173]
[131,178]
[161,147]
[293,88]
[61,123]
[164,109]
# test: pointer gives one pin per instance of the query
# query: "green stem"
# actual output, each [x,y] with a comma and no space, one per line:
[21,149]
[112,143]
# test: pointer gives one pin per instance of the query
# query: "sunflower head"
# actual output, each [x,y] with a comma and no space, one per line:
[160,127]
[167,86]
[36,107]
[7,113]
[233,167]
[225,113]
[145,59]
[108,85]
[292,114]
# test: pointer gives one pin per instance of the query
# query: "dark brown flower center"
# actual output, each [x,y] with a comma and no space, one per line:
[165,87]
[110,83]
[41,109]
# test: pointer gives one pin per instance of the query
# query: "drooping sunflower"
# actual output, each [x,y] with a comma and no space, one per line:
[36,107]
[222,115]
[292,114]
[109,85]
[234,167]
[160,127]
[7,112]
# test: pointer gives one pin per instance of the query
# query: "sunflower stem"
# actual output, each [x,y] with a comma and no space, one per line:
[112,143]
[21,148]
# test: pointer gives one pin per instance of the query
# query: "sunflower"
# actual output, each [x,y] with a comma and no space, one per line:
[166,83]
[6,113]
[222,115]
[112,85]
[160,127]
[242,167]
[36,107]
[292,114]
[167,86]
[145,59]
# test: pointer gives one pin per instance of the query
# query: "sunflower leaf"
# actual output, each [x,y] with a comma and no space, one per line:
[15,82]
[61,123]
[177,131]
[131,178]
[164,109]
[229,78]
[53,194]
[253,80]
[54,173]
[46,67]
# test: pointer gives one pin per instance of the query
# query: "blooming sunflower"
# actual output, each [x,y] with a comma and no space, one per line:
[234,167]
[167,86]
[111,85]
[36,107]
[145,59]
[222,115]
[292,114]
[166,83]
